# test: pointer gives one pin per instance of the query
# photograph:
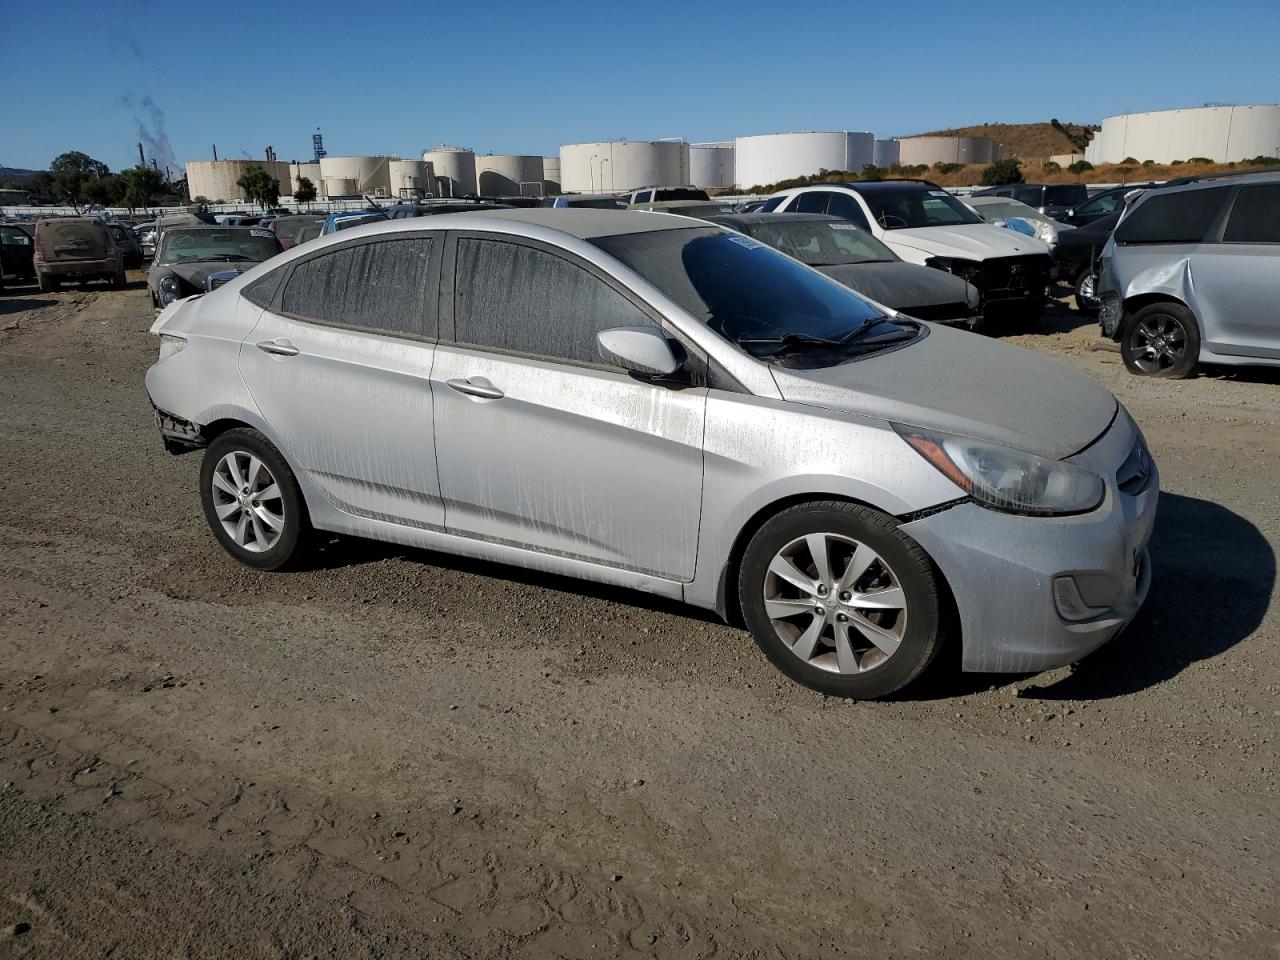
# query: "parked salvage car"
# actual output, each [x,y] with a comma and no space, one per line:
[128,243]
[589,201]
[1102,204]
[1076,258]
[76,248]
[862,263]
[345,220]
[685,208]
[287,228]
[17,253]
[431,208]
[1000,210]
[146,234]
[1054,200]
[190,255]
[1191,275]
[309,232]
[673,407]
[664,194]
[922,223]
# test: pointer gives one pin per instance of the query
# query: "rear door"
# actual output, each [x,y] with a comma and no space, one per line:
[543,445]
[339,365]
[1237,280]
[16,251]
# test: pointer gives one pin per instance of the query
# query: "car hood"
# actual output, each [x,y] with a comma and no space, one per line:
[197,273]
[901,285]
[958,382]
[970,241]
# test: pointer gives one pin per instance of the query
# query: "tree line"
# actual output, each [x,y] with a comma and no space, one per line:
[78,180]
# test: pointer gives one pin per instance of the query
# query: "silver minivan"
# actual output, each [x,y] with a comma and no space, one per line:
[1191,275]
[670,406]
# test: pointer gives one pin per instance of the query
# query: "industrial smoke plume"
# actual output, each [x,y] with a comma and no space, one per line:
[151,133]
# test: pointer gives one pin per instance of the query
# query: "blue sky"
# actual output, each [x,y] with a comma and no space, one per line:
[503,77]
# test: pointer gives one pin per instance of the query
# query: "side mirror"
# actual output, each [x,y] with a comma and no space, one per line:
[642,350]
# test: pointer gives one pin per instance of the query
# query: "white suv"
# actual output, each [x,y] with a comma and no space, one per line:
[922,223]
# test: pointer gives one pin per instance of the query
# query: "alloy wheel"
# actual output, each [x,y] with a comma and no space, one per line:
[835,603]
[1158,343]
[248,501]
[1087,292]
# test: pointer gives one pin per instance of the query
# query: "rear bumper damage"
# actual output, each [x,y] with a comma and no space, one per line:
[178,435]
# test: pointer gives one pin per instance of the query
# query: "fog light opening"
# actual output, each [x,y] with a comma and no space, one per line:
[1071,606]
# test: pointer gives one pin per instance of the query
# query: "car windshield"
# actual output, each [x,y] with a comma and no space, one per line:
[188,246]
[822,243]
[694,209]
[1007,209]
[770,306]
[898,209]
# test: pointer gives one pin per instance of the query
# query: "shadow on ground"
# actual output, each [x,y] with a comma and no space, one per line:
[18,305]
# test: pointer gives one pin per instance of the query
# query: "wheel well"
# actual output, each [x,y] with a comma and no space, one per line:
[211,430]
[729,607]
[1134,304]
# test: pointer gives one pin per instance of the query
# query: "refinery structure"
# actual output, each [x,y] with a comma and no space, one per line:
[1219,133]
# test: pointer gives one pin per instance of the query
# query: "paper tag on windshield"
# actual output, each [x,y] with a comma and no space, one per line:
[939,193]
[844,226]
[747,242]
[262,233]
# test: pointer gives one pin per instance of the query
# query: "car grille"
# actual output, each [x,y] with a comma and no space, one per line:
[939,312]
[216,282]
[1005,278]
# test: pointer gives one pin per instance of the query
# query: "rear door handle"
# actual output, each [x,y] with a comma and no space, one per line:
[281,347]
[477,387]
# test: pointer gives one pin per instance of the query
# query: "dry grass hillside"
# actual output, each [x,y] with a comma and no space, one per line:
[1027,140]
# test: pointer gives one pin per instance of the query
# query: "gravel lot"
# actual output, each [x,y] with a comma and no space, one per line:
[399,754]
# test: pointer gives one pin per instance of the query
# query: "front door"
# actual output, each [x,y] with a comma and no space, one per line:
[543,445]
[339,365]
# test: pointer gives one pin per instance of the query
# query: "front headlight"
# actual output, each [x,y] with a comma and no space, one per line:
[1047,232]
[169,345]
[1005,479]
[168,291]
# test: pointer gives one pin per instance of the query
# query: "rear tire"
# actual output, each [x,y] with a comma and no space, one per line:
[48,284]
[252,501]
[1161,340]
[119,280]
[841,600]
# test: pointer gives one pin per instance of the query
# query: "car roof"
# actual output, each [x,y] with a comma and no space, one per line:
[586,223]
[209,227]
[878,186]
[750,219]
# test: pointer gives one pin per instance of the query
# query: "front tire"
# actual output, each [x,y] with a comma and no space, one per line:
[1161,340]
[841,600]
[1087,301]
[252,500]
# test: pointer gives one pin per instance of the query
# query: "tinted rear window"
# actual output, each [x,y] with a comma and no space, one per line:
[1065,195]
[1255,216]
[1183,217]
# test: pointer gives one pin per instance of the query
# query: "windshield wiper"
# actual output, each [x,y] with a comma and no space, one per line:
[789,340]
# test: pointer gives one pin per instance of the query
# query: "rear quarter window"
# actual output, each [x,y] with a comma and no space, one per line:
[1255,215]
[1184,217]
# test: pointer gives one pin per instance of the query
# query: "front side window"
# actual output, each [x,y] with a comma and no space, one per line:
[815,201]
[899,209]
[1103,204]
[843,205]
[1255,217]
[772,204]
[383,285]
[1182,217]
[524,300]
[768,305]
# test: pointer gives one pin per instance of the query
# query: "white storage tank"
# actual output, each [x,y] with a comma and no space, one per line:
[618,166]
[369,173]
[410,179]
[711,165]
[509,175]
[216,180]
[309,170]
[550,175]
[886,153]
[914,151]
[455,170]
[766,159]
[1222,134]
[339,187]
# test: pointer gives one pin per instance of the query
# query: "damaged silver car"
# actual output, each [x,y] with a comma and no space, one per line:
[1191,275]
[673,407]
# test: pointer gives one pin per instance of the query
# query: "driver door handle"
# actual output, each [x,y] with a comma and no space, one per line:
[479,387]
[279,347]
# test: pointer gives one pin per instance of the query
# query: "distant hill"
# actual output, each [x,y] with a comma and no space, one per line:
[1027,140]
[16,174]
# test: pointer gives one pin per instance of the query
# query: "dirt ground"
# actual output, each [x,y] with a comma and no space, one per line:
[400,754]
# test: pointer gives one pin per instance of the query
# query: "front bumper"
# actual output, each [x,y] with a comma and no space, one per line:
[1001,568]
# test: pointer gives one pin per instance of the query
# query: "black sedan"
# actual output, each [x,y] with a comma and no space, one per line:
[187,255]
[1078,252]
[854,257]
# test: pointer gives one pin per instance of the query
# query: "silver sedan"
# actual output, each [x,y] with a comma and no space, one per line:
[672,407]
